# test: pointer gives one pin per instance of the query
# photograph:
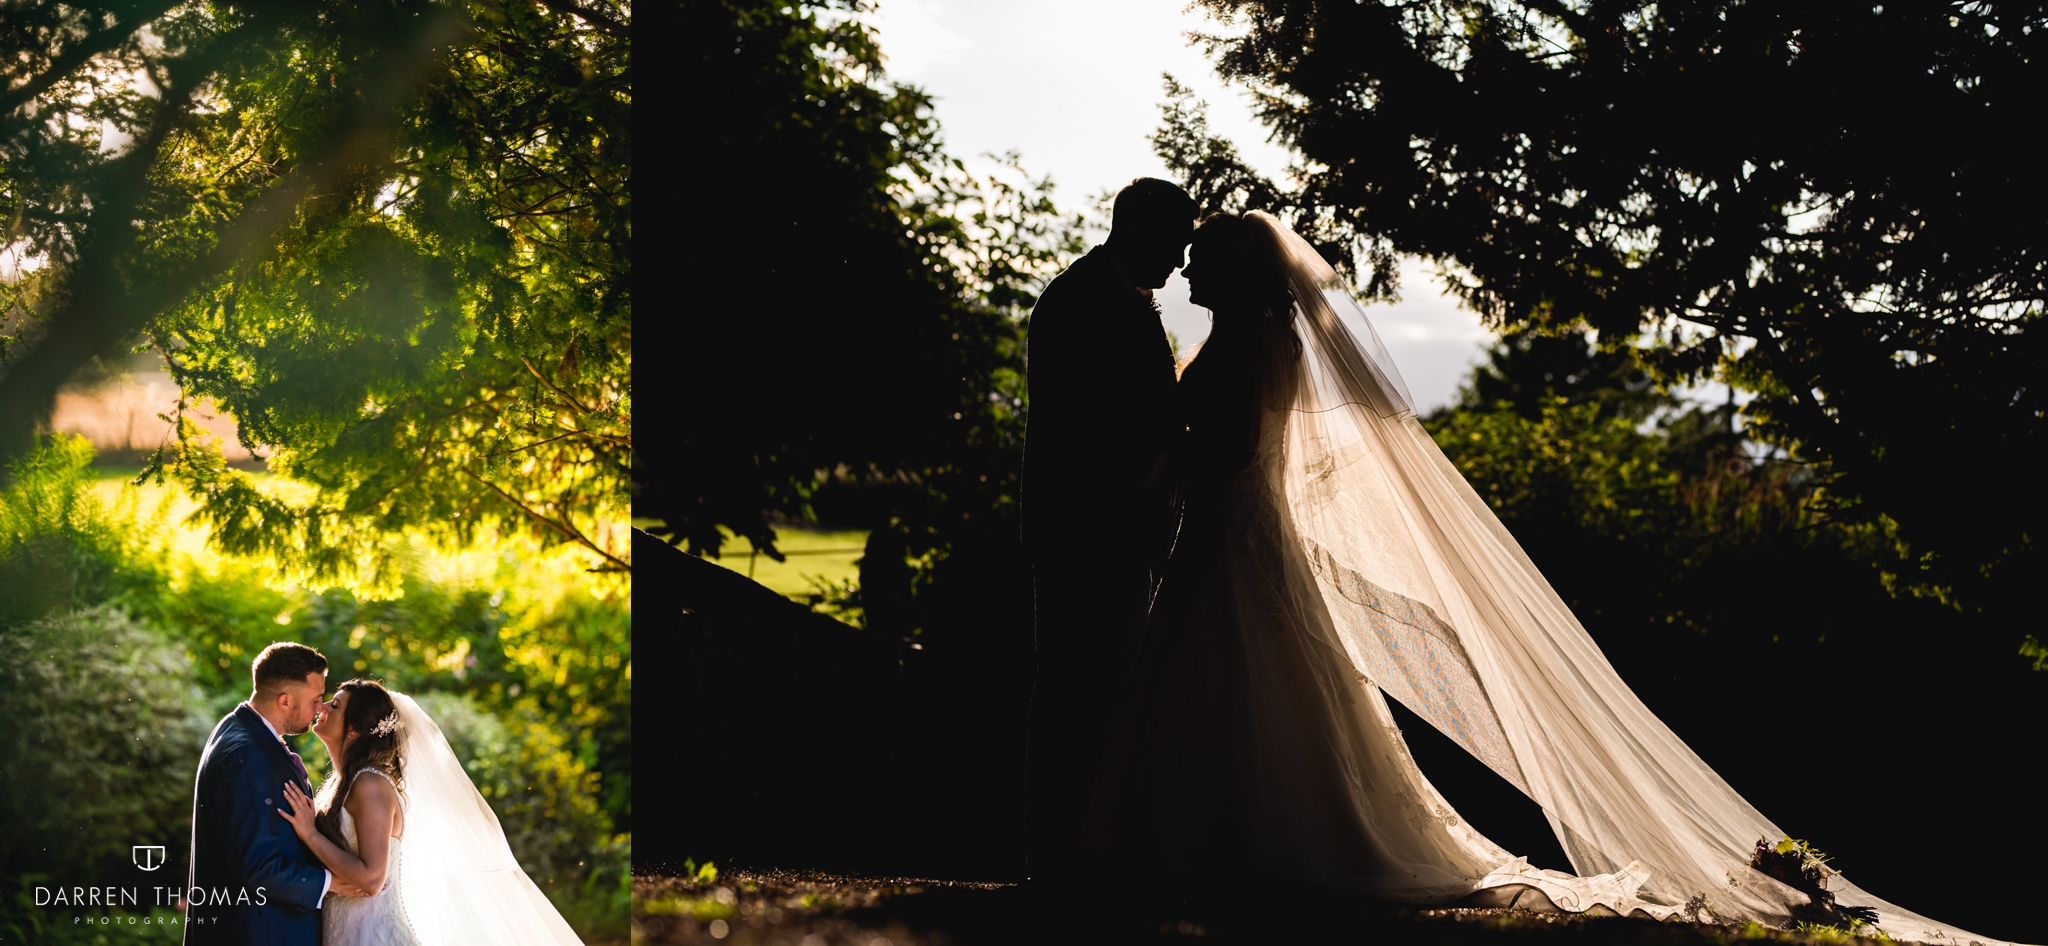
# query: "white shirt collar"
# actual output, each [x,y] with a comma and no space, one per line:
[266,724]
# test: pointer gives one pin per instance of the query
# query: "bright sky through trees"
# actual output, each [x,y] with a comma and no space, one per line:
[1075,88]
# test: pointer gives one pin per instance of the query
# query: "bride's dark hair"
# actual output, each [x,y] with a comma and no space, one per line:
[1245,263]
[374,747]
[1246,270]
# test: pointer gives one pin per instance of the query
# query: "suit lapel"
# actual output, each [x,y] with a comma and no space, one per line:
[259,732]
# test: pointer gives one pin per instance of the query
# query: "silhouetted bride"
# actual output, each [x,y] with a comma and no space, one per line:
[1329,553]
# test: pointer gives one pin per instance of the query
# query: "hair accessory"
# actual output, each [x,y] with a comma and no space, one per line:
[387,725]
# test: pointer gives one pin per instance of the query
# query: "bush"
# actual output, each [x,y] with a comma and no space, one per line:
[1572,464]
[100,731]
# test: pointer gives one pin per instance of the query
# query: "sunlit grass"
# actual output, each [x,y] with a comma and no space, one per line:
[541,577]
[176,506]
[813,555]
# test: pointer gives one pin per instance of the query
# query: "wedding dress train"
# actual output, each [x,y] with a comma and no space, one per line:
[1331,554]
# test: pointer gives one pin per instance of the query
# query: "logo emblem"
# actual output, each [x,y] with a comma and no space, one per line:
[149,856]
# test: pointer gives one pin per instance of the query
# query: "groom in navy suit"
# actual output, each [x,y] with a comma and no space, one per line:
[252,880]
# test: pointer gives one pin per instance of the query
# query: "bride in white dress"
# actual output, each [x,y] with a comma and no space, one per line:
[1330,554]
[401,821]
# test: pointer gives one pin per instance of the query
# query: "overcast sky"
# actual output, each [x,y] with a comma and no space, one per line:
[1074,86]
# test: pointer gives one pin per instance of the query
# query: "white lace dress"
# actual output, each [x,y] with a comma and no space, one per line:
[370,921]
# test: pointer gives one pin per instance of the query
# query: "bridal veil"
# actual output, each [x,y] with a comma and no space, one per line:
[1438,606]
[461,885]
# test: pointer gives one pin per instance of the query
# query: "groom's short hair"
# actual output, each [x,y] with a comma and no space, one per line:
[285,662]
[1149,205]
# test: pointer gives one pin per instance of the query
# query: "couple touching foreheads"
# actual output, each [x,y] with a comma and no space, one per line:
[1192,704]
[397,848]
[1236,562]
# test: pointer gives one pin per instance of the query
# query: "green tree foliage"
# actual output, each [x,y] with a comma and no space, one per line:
[61,546]
[1529,371]
[1593,473]
[109,92]
[1784,195]
[1644,511]
[393,240]
[852,303]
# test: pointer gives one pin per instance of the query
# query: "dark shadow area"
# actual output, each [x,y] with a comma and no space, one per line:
[793,906]
[813,744]
[1485,800]
[1892,751]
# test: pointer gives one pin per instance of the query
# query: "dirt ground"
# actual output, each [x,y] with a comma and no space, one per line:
[795,908]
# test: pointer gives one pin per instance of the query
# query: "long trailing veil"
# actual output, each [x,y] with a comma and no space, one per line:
[461,884]
[1439,607]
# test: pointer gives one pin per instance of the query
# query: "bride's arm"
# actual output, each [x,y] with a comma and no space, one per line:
[372,803]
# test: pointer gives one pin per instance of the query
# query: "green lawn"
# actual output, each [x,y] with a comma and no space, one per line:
[812,556]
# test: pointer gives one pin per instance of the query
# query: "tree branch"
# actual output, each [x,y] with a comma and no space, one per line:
[103,309]
[563,527]
[425,454]
[578,405]
[592,17]
[74,56]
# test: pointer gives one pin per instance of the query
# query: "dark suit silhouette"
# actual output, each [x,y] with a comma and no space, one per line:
[1097,517]
[239,844]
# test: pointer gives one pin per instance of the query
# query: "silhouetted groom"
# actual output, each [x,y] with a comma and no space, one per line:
[1097,517]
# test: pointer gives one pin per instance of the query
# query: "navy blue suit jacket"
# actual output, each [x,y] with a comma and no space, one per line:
[252,880]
